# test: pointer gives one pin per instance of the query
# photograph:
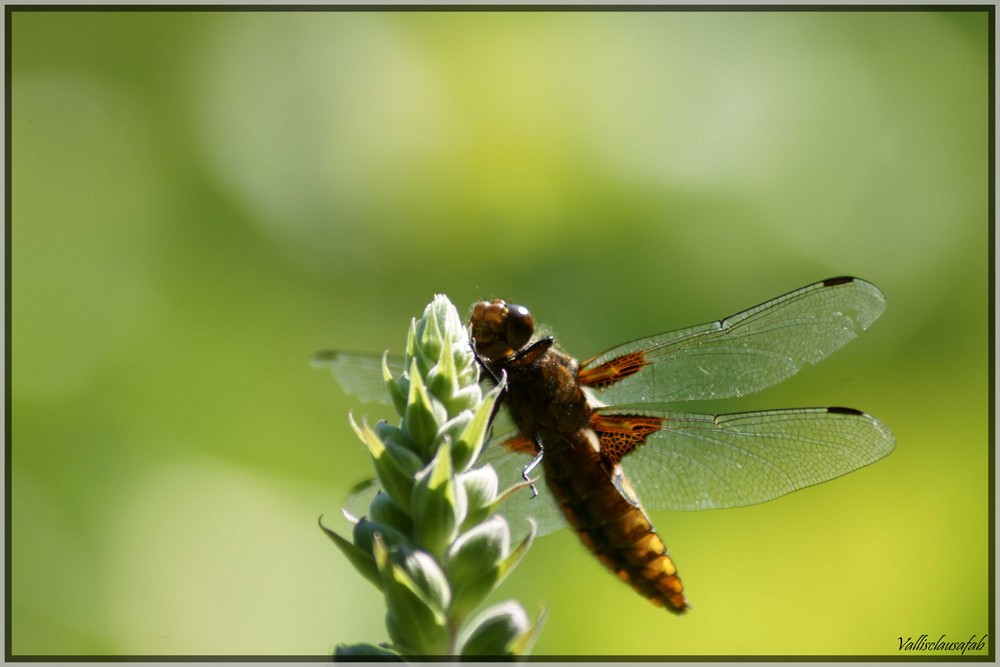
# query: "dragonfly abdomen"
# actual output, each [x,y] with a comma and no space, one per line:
[616,531]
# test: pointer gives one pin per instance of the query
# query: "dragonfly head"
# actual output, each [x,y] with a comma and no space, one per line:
[499,328]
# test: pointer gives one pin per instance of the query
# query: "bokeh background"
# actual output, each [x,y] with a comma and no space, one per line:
[200,200]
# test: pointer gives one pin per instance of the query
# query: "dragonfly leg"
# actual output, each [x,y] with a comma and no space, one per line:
[533,464]
[479,360]
[502,381]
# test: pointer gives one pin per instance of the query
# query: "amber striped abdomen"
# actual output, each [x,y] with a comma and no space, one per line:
[616,531]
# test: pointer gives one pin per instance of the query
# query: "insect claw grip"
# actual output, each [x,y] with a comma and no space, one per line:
[533,464]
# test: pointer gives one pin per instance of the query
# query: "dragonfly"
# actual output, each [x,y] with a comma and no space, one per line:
[611,442]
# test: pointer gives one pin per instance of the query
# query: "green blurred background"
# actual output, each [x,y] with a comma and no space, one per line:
[200,200]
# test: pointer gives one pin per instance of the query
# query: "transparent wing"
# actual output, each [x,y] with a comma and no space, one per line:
[360,498]
[740,354]
[360,373]
[699,462]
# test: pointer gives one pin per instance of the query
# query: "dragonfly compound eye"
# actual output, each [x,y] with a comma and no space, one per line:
[520,326]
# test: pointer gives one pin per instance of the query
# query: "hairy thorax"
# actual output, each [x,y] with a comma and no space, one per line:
[545,398]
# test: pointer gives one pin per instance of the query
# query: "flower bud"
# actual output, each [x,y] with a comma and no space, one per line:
[422,416]
[498,631]
[438,502]
[474,563]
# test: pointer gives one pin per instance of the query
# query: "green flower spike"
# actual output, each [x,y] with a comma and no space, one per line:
[430,541]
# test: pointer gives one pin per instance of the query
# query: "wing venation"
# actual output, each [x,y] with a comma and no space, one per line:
[738,355]
[360,373]
[697,461]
